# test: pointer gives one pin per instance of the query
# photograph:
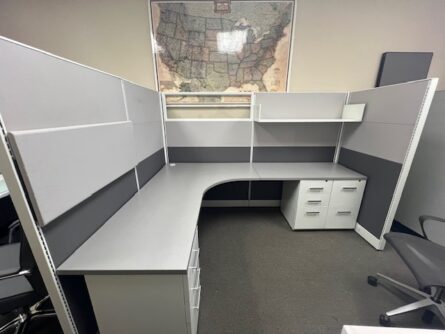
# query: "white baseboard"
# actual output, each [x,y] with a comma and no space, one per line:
[365,234]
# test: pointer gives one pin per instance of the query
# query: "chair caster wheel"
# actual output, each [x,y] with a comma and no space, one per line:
[372,280]
[428,317]
[384,320]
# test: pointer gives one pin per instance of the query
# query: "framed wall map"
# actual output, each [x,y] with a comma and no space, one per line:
[198,50]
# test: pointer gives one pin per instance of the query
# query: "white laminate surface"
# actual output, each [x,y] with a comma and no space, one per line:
[154,231]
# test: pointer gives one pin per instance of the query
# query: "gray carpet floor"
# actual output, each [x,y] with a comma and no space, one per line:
[259,276]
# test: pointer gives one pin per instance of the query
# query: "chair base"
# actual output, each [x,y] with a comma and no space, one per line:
[425,301]
[21,322]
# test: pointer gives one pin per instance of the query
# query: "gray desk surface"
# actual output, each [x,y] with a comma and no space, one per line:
[154,231]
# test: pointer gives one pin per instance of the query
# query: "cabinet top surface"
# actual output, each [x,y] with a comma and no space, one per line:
[153,232]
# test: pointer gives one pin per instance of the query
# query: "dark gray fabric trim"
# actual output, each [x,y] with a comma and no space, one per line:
[150,166]
[382,180]
[238,190]
[293,153]
[67,232]
[266,190]
[209,154]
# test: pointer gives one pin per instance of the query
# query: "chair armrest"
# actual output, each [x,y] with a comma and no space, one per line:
[20,273]
[424,218]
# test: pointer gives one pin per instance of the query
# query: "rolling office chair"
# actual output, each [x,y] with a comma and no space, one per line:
[425,257]
[22,291]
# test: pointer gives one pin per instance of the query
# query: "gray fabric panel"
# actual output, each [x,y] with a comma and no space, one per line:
[300,105]
[73,94]
[293,154]
[209,154]
[266,190]
[67,232]
[9,259]
[382,179]
[398,104]
[228,191]
[76,293]
[147,168]
[398,67]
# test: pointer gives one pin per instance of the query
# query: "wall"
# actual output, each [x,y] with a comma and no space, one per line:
[110,35]
[337,43]
[424,191]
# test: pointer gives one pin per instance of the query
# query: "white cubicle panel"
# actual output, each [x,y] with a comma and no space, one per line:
[382,147]
[300,105]
[144,110]
[209,140]
[38,90]
[63,166]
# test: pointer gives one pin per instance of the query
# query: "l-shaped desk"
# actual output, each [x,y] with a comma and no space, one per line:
[138,277]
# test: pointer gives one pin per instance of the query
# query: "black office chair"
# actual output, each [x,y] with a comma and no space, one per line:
[22,291]
[425,257]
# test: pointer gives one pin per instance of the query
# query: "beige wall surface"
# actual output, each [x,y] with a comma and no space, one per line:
[337,43]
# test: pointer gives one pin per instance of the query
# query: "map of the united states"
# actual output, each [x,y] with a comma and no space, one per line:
[245,50]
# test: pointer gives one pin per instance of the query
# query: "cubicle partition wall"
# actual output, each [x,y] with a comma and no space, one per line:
[200,140]
[278,139]
[424,192]
[83,142]
[77,144]
[382,147]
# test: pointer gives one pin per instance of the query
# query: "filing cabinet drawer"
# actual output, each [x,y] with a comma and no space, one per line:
[341,217]
[193,266]
[314,191]
[347,193]
[311,219]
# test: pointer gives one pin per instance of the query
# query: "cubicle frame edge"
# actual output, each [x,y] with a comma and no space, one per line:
[163,111]
[409,157]
[35,238]
[340,134]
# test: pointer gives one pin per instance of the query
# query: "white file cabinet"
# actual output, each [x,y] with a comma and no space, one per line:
[322,204]
[159,302]
[193,287]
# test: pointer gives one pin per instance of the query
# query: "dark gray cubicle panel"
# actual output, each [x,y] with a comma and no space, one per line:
[382,147]
[399,67]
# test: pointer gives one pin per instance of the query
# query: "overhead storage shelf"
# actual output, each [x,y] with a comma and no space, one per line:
[305,108]
[309,120]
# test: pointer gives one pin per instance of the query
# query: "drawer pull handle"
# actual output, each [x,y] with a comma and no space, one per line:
[316,188]
[349,188]
[312,213]
[199,299]
[196,287]
[314,201]
[196,258]
[344,212]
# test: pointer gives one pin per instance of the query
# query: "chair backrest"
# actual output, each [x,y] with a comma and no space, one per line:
[433,229]
[27,262]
